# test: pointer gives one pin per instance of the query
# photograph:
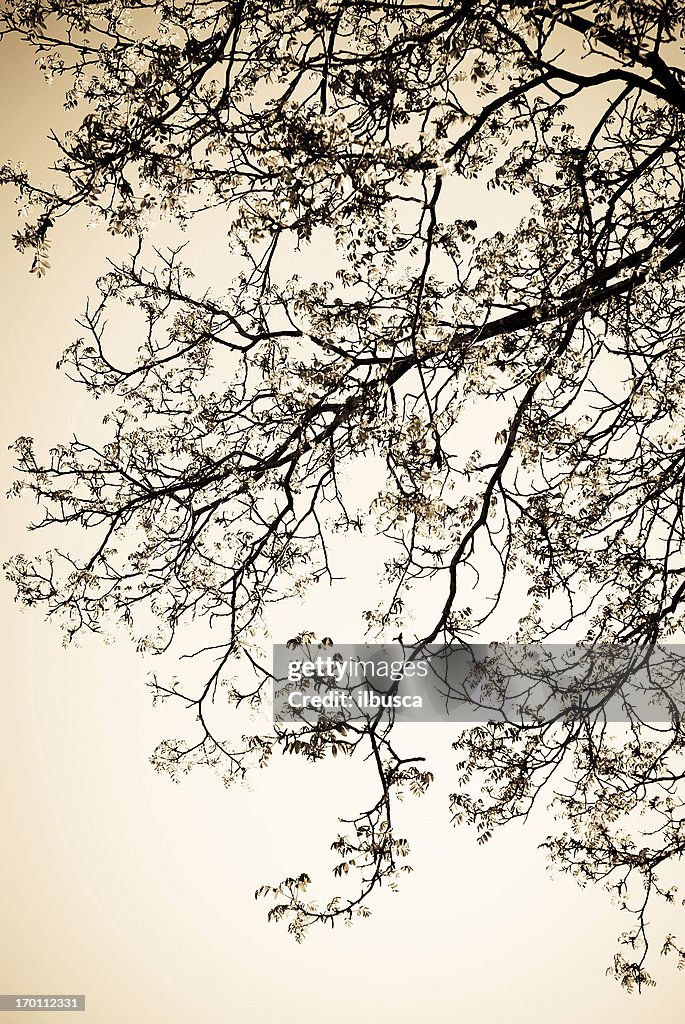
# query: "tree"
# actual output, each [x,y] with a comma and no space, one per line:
[365,129]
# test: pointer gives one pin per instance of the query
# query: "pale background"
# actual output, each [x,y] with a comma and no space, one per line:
[139,893]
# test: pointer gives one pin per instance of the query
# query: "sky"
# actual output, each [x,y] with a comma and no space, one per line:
[140,893]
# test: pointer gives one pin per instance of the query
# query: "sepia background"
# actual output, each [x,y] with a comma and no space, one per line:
[137,892]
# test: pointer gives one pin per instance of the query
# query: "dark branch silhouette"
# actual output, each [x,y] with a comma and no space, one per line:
[524,386]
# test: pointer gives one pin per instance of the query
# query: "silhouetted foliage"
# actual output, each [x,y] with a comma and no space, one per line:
[523,387]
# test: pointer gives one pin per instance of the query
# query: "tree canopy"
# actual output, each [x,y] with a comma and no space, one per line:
[522,388]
